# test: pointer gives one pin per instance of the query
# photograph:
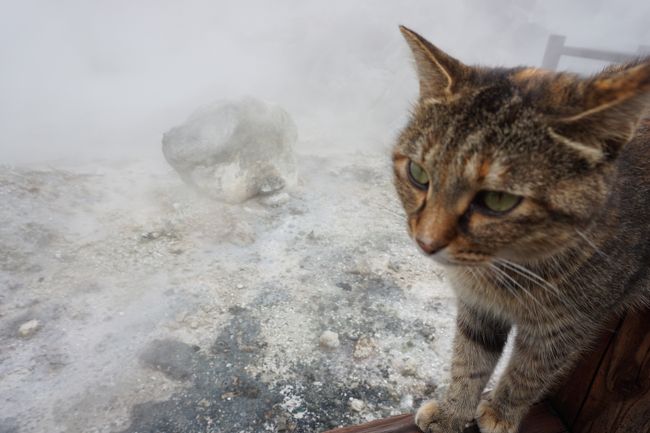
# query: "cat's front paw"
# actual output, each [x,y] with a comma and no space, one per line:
[431,417]
[427,415]
[492,420]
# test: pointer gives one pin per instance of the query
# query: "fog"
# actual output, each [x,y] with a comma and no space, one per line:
[83,80]
[133,301]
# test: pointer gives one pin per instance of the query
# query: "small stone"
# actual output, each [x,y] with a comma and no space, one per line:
[357,405]
[364,348]
[240,286]
[281,423]
[406,402]
[428,333]
[29,328]
[393,266]
[409,368]
[345,286]
[150,236]
[275,200]
[228,395]
[329,340]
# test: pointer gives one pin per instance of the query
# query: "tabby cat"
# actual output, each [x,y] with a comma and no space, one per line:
[533,189]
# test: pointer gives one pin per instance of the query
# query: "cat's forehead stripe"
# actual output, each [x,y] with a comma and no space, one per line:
[494,174]
[423,149]
[474,167]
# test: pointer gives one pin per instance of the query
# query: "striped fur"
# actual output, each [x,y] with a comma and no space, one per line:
[573,252]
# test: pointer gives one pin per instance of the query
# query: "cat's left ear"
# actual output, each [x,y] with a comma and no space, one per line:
[609,107]
[440,74]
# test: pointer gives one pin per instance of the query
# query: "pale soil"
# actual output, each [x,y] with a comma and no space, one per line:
[159,310]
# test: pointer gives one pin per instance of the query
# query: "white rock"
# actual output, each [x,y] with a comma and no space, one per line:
[357,405]
[364,348]
[329,340]
[235,150]
[409,368]
[275,200]
[29,328]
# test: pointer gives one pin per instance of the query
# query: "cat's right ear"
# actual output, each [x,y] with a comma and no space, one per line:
[608,108]
[440,74]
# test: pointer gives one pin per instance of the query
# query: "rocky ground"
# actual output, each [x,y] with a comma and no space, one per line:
[130,303]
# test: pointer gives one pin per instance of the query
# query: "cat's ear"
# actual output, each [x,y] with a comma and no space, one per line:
[608,108]
[440,74]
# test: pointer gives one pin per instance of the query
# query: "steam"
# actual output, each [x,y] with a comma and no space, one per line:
[99,262]
[84,80]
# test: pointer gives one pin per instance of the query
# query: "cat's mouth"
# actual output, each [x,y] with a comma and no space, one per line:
[461,262]
[445,258]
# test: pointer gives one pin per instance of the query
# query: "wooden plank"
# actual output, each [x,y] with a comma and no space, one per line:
[396,424]
[619,398]
[571,397]
[540,420]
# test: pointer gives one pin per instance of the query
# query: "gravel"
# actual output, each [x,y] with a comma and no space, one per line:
[329,340]
[29,328]
[160,309]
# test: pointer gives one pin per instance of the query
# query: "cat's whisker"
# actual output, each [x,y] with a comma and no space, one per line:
[527,273]
[520,286]
[390,211]
[515,282]
[473,274]
[497,280]
[591,244]
[490,279]
[484,279]
[539,281]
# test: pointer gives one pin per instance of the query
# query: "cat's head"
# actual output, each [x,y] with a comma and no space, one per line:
[510,163]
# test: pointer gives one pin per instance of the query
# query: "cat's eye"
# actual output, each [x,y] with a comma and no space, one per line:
[418,176]
[497,202]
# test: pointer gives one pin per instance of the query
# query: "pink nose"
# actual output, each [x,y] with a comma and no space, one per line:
[430,247]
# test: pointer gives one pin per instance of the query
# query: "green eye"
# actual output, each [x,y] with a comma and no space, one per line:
[418,176]
[497,201]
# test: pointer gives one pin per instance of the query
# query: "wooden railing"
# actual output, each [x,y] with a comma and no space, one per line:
[556,48]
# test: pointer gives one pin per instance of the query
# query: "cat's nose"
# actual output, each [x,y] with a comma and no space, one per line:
[430,247]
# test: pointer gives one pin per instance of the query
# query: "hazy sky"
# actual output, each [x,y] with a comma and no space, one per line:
[104,79]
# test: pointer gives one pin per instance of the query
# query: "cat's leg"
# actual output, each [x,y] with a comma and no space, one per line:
[539,360]
[478,343]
